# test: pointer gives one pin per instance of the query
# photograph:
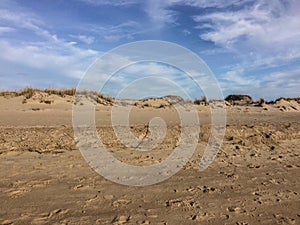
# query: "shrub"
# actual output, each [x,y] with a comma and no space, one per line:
[27,92]
[202,101]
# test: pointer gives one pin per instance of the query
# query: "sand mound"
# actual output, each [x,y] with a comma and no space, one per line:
[93,97]
[40,97]
[161,102]
[287,104]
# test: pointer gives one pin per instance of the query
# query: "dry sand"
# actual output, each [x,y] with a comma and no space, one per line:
[45,180]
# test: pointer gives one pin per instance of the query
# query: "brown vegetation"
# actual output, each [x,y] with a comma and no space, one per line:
[28,92]
[202,101]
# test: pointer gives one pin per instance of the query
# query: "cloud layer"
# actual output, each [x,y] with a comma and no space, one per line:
[249,45]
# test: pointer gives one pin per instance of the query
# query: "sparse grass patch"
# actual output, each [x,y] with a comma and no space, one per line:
[61,92]
[27,92]
[7,94]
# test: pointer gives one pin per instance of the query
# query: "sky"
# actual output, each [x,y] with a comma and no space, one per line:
[251,46]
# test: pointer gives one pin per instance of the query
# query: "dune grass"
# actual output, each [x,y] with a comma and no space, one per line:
[29,92]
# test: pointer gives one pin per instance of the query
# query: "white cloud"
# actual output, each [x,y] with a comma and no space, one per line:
[234,81]
[262,31]
[47,54]
[6,30]
[18,19]
[186,32]
[151,86]
[236,77]
[209,3]
[213,51]
[112,38]
[114,33]
[83,38]
[43,56]
[150,78]
[159,12]
[277,82]
[110,2]
[269,86]
[150,69]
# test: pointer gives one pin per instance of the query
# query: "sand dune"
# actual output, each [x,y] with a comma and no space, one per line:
[45,180]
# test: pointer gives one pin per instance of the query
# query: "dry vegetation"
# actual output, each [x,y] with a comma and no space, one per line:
[202,101]
[29,92]
[100,98]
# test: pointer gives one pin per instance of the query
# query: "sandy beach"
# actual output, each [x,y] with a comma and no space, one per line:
[45,179]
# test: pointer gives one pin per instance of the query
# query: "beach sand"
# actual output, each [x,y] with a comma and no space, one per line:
[44,179]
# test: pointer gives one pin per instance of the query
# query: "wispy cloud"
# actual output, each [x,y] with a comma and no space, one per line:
[159,12]
[267,85]
[208,3]
[6,30]
[277,85]
[83,38]
[43,56]
[112,38]
[109,2]
[261,30]
[115,32]
[162,13]
[245,42]
[236,78]
[48,55]
[151,79]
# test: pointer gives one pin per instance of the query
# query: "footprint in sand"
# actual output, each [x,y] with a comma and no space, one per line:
[200,216]
[120,202]
[17,192]
[118,220]
[20,188]
[7,222]
[284,219]
[44,217]
[152,213]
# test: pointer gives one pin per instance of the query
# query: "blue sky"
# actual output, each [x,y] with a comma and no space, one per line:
[252,46]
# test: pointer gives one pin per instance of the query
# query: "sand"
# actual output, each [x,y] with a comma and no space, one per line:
[45,180]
